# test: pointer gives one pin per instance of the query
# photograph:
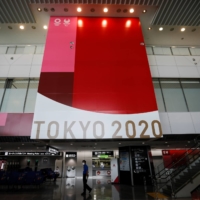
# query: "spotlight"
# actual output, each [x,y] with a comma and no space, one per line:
[21,27]
[161,29]
[104,23]
[45,27]
[39,9]
[105,10]
[149,28]
[79,9]
[131,10]
[182,29]
[144,11]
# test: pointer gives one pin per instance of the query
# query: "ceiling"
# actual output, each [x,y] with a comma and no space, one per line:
[170,14]
[167,142]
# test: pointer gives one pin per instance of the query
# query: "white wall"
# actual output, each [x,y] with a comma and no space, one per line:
[180,122]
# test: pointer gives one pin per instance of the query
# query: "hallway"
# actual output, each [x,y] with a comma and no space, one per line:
[71,189]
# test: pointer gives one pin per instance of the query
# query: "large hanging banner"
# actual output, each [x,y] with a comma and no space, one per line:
[95,82]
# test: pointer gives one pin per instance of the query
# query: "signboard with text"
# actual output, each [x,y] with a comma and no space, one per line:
[92,88]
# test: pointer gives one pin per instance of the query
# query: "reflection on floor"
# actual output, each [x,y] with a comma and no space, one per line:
[71,189]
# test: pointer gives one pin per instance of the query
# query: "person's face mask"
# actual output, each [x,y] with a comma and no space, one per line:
[83,163]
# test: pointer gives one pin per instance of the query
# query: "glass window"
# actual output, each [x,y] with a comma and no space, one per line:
[19,50]
[159,97]
[173,96]
[15,94]
[31,96]
[192,94]
[2,86]
[11,50]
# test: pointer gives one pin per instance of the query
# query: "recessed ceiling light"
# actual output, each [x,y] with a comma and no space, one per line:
[46,9]
[22,144]
[149,28]
[45,27]
[173,46]
[79,9]
[119,10]
[194,29]
[143,143]
[65,9]
[166,142]
[192,48]
[125,10]
[21,27]
[161,29]
[144,11]
[171,29]
[182,29]
[39,9]
[92,10]
[10,27]
[71,144]
[52,9]
[131,10]
[119,143]
[105,10]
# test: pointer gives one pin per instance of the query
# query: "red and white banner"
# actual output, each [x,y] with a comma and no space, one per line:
[114,170]
[103,173]
[95,82]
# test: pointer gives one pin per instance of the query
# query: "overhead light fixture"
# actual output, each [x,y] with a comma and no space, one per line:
[79,9]
[182,29]
[46,9]
[161,29]
[71,144]
[131,10]
[144,11]
[149,28]
[65,9]
[45,27]
[143,143]
[92,10]
[105,10]
[52,9]
[21,27]
[119,10]
[22,143]
[173,46]
[119,143]
[191,48]
[171,29]
[166,142]
[39,9]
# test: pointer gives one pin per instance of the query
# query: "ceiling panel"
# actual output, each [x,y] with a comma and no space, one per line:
[178,13]
[12,11]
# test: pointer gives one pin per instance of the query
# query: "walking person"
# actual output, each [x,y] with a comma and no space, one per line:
[85,178]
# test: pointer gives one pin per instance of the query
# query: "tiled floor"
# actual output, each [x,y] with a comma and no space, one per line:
[71,189]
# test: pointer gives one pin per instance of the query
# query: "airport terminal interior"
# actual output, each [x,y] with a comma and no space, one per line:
[115,83]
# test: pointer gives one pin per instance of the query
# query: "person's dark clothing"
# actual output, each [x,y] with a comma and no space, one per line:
[85,177]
